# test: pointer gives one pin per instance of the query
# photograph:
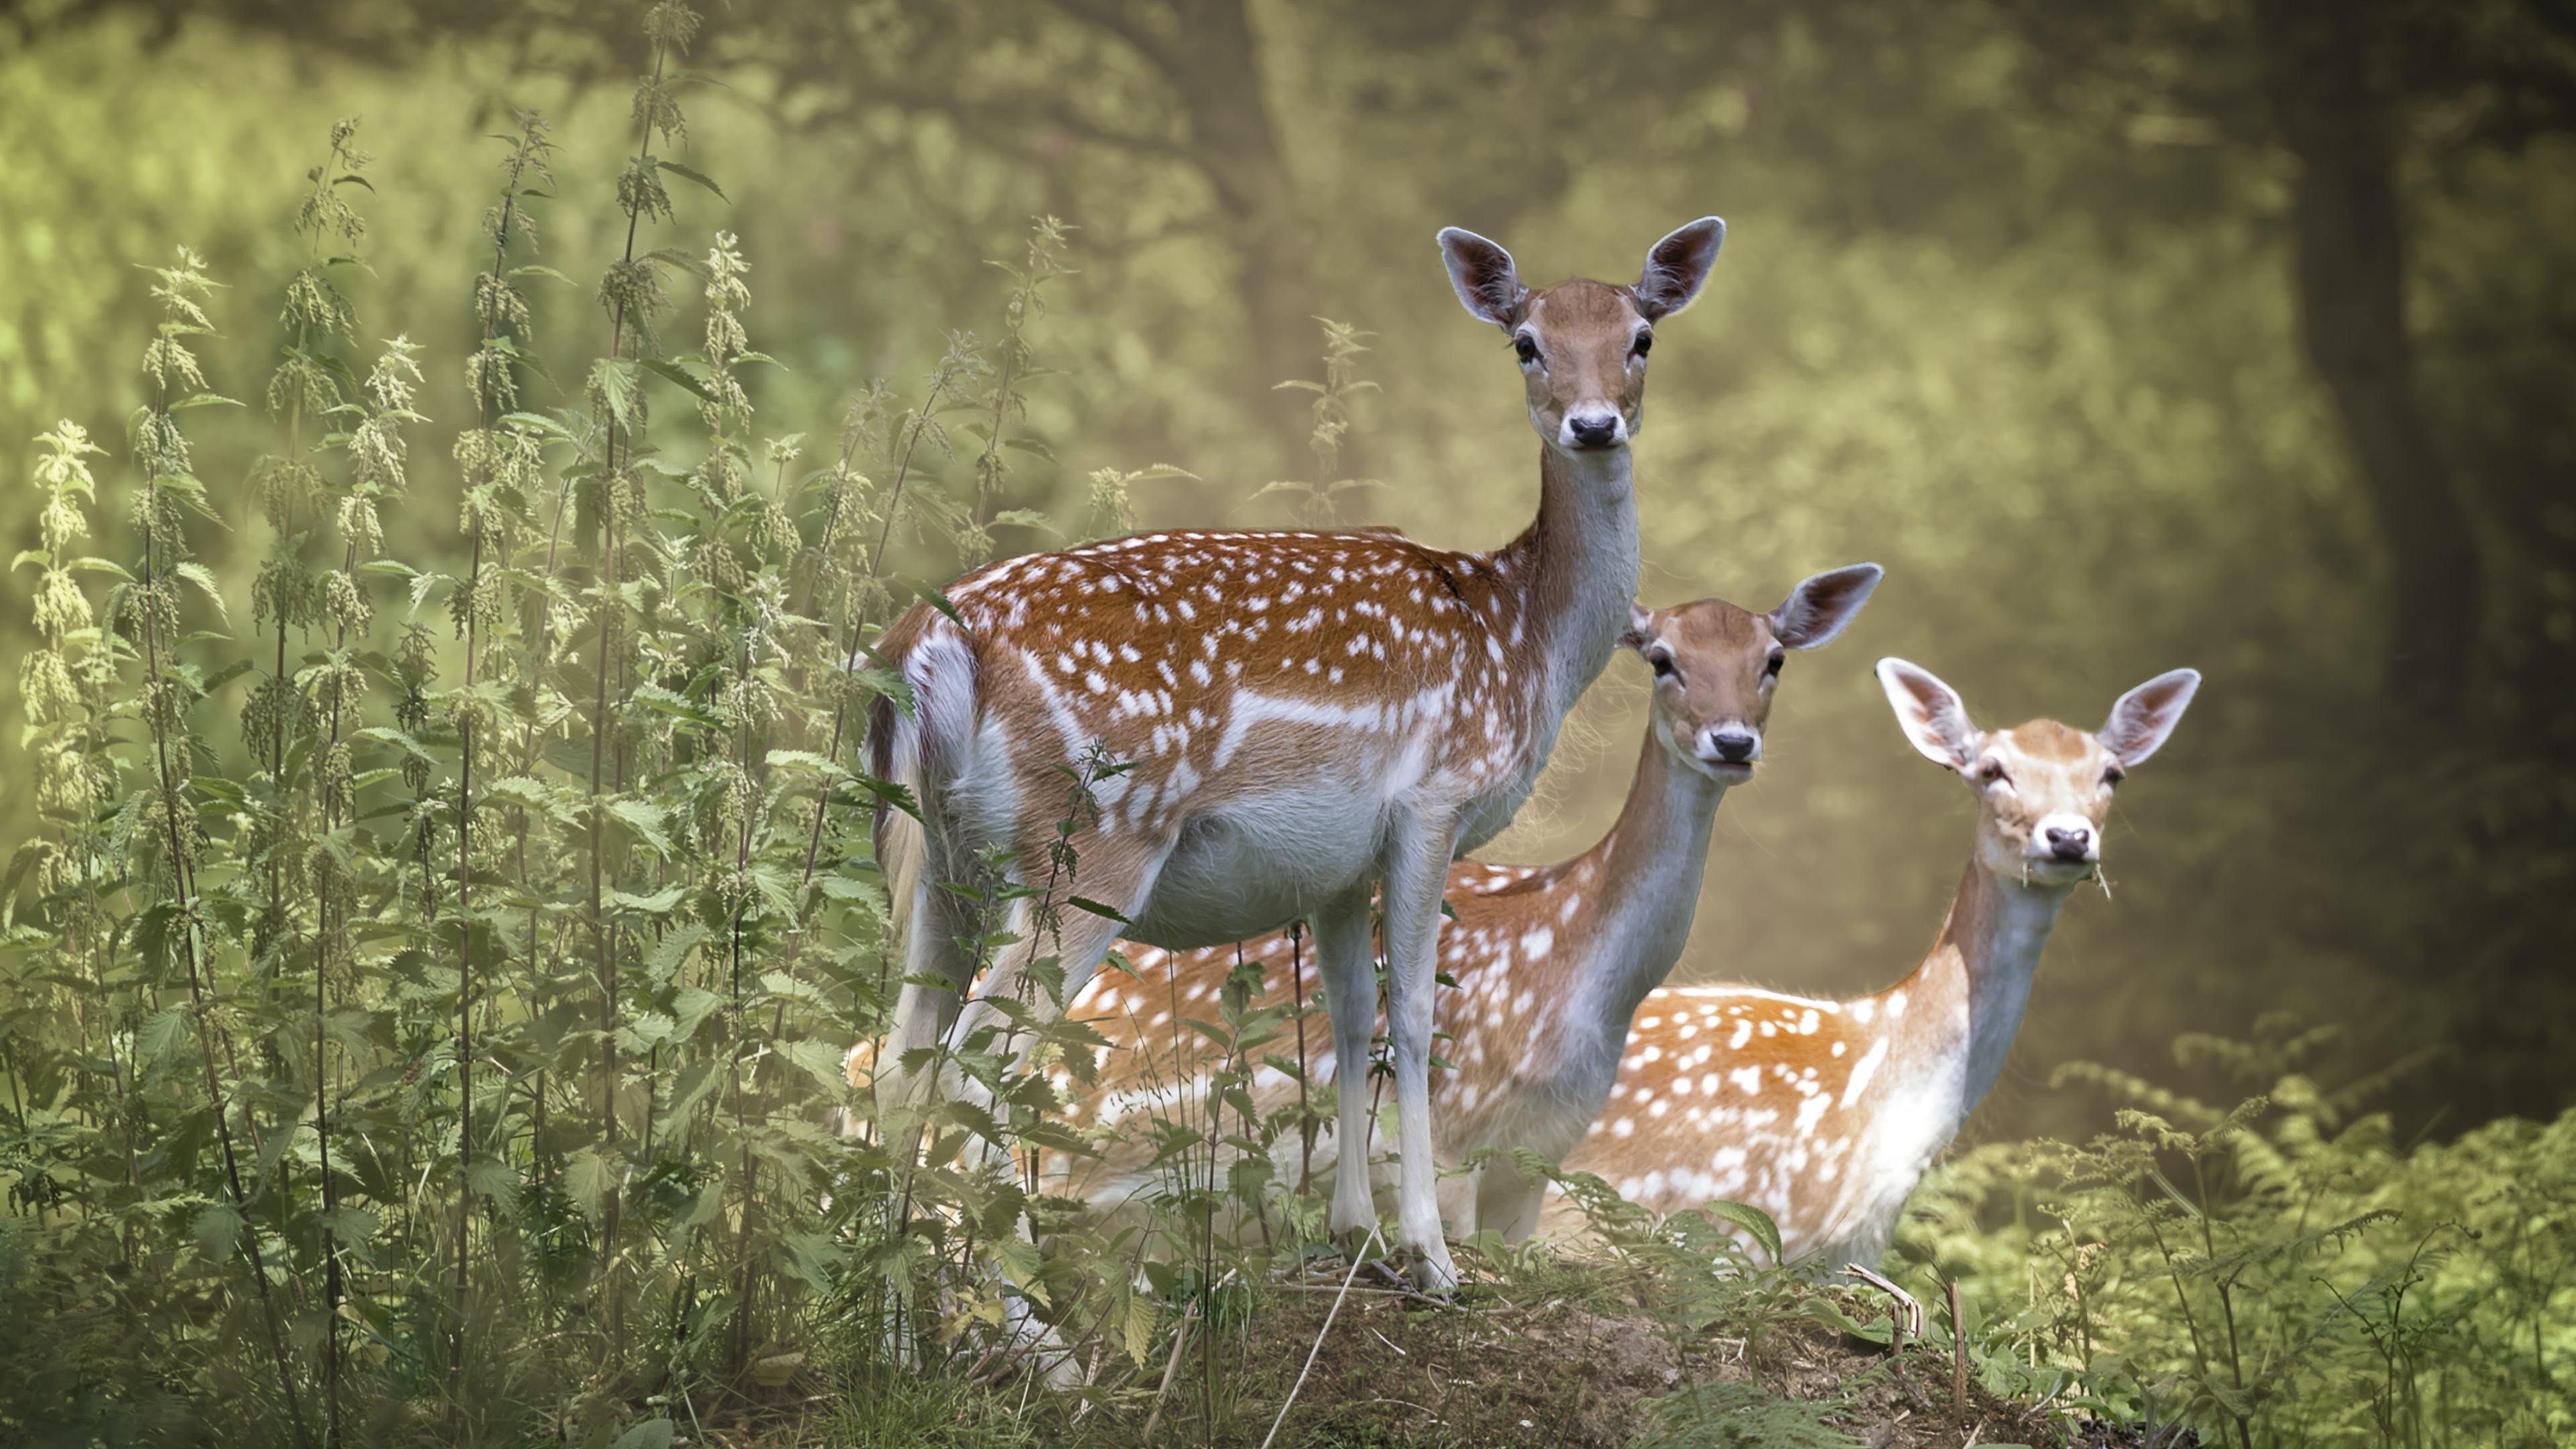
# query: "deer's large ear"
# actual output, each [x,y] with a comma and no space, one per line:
[1824,606]
[2144,716]
[1488,285]
[1641,628]
[1930,714]
[1677,266]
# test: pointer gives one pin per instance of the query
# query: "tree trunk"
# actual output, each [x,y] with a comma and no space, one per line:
[2352,309]
[1214,65]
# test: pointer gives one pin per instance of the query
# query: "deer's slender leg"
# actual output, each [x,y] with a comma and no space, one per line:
[1416,866]
[1349,969]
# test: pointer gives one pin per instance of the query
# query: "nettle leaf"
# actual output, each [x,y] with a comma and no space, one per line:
[1750,1218]
[531,793]
[589,1178]
[673,372]
[679,706]
[1020,1264]
[697,1079]
[802,760]
[937,600]
[891,793]
[218,1229]
[1028,518]
[661,903]
[686,174]
[379,734]
[615,383]
[646,821]
[1139,1327]
[492,1178]
[350,1224]
[820,1060]
[691,1007]
[160,1035]
[811,1257]
[671,953]
[204,582]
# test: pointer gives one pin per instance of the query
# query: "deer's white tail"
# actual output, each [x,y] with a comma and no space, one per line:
[925,749]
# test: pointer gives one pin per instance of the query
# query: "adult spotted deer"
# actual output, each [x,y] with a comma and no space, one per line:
[1308,717]
[1825,1114]
[1550,961]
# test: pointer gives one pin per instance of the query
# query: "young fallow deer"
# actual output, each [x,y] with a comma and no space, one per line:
[1550,961]
[1309,717]
[1825,1114]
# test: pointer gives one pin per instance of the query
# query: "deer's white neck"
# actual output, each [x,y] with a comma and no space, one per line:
[1647,874]
[1962,1009]
[1581,559]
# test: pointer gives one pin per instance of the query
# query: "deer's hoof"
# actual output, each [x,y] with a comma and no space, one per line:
[1431,1273]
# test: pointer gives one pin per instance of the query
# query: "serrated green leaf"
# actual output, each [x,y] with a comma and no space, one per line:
[811,1257]
[1750,1218]
[492,1178]
[589,1178]
[673,372]
[937,600]
[672,952]
[891,793]
[218,1229]
[646,821]
[1085,903]
[687,174]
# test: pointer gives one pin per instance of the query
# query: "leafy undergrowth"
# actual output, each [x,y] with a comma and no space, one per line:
[1567,1351]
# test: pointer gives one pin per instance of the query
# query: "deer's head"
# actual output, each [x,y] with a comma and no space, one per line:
[1716,666]
[1583,344]
[2043,788]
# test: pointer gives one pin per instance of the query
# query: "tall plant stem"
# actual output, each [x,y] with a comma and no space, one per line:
[465,868]
[183,877]
[858,616]
[600,936]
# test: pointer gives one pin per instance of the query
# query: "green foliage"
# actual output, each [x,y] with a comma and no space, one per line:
[454,1054]
[1736,1416]
[2280,1273]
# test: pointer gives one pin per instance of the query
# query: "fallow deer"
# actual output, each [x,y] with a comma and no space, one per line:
[1550,961]
[1308,717]
[1825,1114]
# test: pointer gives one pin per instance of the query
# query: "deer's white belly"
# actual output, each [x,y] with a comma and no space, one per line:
[1254,865]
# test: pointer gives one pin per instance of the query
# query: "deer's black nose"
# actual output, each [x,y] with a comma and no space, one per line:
[1593,430]
[2069,844]
[1735,746]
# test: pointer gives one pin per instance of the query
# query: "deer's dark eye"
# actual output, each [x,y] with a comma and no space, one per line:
[1645,343]
[2112,777]
[1772,668]
[1991,771]
[1661,663]
[1526,346]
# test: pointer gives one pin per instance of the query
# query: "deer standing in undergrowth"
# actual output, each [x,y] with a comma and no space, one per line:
[1550,961]
[1825,1114]
[1298,720]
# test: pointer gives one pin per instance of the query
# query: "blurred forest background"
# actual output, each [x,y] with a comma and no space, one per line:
[2240,336]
